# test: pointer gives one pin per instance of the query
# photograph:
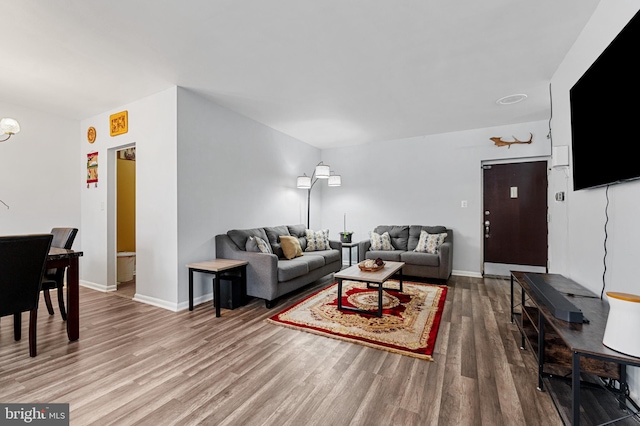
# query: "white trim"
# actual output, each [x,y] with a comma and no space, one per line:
[466,274]
[158,302]
[99,287]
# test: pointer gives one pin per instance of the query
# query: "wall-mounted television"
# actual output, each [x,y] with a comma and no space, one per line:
[605,114]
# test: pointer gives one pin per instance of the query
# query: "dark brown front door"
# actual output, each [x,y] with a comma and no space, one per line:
[515,213]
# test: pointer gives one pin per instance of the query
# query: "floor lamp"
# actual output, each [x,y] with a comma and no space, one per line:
[9,127]
[322,171]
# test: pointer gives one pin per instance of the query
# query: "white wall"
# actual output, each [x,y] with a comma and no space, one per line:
[232,173]
[200,171]
[153,130]
[38,174]
[577,245]
[422,181]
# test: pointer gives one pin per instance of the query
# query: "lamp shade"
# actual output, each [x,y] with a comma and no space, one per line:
[323,171]
[303,182]
[334,180]
[624,316]
[9,126]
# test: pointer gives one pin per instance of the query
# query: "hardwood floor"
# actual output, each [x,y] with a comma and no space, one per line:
[126,289]
[138,364]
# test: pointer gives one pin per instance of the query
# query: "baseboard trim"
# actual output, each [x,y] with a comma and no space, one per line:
[206,298]
[99,287]
[156,302]
[467,274]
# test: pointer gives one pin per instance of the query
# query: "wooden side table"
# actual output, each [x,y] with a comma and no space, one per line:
[350,246]
[217,267]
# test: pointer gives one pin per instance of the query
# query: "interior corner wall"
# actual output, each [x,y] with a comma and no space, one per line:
[577,243]
[233,173]
[423,181]
[152,127]
[38,173]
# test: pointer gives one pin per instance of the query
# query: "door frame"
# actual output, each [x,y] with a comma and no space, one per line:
[481,221]
[112,214]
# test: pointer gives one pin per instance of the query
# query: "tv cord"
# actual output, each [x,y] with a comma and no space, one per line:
[604,259]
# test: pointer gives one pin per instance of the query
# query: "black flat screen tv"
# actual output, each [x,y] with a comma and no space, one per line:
[605,114]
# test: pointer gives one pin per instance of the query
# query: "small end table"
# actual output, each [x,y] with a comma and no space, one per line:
[217,267]
[350,246]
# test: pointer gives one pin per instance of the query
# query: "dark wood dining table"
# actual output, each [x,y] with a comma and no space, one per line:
[64,258]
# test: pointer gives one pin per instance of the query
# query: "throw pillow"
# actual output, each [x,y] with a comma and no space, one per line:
[252,245]
[381,242]
[318,240]
[264,246]
[273,234]
[290,246]
[429,243]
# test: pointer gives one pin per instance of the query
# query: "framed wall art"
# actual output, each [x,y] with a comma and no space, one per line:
[119,123]
[92,169]
[91,134]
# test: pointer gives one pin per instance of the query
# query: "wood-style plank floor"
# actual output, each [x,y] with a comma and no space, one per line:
[136,364]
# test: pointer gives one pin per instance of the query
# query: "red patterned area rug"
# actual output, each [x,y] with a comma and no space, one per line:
[408,326]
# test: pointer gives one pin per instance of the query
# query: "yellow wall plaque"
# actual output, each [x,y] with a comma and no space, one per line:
[91,134]
[119,123]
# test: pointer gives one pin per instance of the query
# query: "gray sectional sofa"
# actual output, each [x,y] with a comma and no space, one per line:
[404,240]
[270,276]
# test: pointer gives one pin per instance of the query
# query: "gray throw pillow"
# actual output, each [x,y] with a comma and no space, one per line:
[273,235]
[257,244]
[252,245]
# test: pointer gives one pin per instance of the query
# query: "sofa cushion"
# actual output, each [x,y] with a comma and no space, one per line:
[421,259]
[415,230]
[273,233]
[317,240]
[429,243]
[313,260]
[381,241]
[290,269]
[240,236]
[327,256]
[399,235]
[392,255]
[299,231]
[290,246]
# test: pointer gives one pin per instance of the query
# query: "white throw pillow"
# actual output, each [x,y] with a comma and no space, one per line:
[381,242]
[317,240]
[264,246]
[429,243]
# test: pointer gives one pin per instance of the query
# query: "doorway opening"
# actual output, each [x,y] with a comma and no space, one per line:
[126,222]
[514,217]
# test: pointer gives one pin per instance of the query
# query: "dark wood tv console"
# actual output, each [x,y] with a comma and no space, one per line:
[564,347]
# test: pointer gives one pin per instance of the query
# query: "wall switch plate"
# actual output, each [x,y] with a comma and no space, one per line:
[560,196]
[464,204]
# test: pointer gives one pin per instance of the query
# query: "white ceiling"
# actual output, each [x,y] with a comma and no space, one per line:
[327,72]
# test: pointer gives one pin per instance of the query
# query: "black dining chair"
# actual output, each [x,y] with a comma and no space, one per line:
[54,278]
[22,262]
